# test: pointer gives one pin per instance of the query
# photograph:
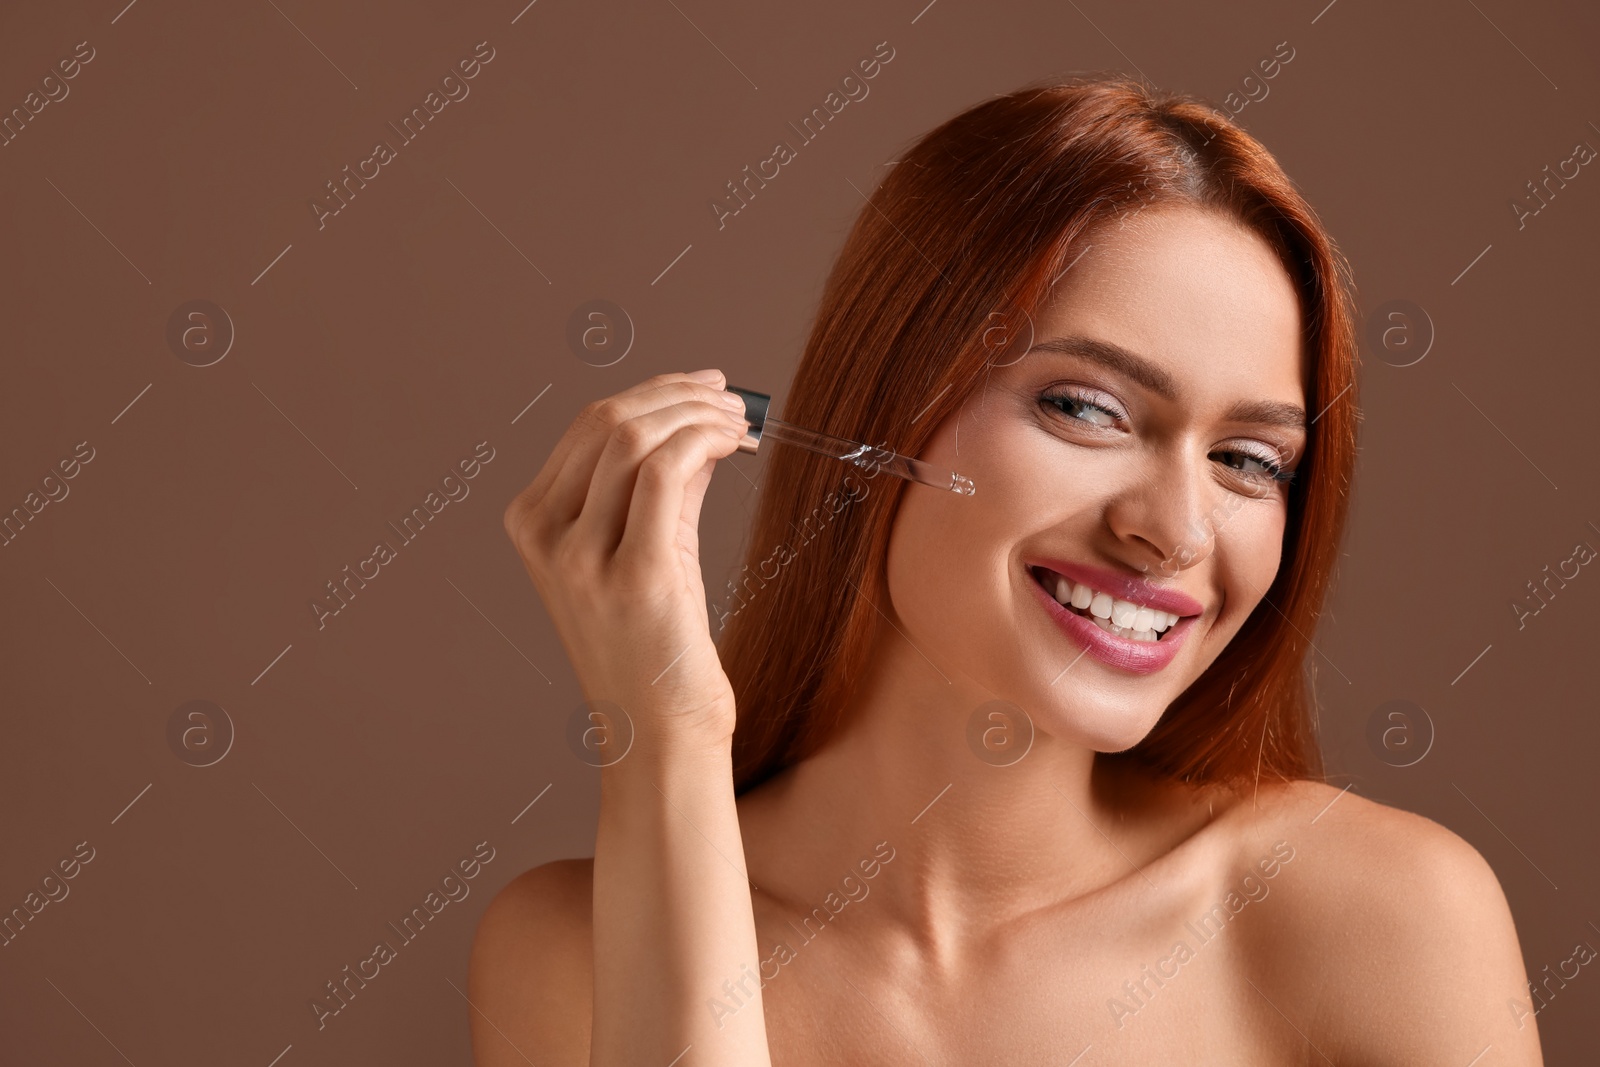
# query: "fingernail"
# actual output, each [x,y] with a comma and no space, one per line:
[734,401]
[710,377]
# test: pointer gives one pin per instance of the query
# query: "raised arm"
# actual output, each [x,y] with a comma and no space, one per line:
[608,531]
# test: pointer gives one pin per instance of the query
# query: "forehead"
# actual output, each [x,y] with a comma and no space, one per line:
[1190,289]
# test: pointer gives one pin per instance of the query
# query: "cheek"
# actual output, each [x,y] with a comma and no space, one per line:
[1266,547]
[1250,550]
[948,554]
[951,557]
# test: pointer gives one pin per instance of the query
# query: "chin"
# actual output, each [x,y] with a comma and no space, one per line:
[1109,730]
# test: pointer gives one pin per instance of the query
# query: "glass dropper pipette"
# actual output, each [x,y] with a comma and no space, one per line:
[763,426]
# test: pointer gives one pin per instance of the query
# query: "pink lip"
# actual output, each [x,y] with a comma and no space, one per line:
[1136,657]
[1123,587]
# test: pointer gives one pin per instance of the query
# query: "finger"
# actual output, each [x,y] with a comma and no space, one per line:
[694,495]
[579,443]
[656,506]
[605,510]
[567,492]
[562,483]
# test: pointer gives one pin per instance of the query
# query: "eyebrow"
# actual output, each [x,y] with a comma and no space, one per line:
[1145,373]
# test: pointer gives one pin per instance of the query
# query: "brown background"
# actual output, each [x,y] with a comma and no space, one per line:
[426,316]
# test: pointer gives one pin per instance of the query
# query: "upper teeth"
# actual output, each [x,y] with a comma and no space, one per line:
[1141,622]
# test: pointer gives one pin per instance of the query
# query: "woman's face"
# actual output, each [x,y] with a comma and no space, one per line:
[1128,463]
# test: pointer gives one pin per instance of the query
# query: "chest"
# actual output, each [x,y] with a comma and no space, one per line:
[1100,986]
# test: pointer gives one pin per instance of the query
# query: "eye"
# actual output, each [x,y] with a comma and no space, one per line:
[1088,407]
[1093,410]
[1262,468]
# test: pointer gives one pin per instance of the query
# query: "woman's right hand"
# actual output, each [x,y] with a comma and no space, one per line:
[609,532]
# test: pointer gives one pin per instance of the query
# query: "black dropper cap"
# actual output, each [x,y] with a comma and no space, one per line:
[755,413]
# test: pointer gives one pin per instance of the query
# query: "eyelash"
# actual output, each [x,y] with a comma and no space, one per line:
[1274,472]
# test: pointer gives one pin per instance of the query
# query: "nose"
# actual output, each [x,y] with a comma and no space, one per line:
[1169,517]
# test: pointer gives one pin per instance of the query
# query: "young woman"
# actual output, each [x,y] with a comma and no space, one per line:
[1026,776]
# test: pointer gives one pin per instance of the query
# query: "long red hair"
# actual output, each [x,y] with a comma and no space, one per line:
[975,221]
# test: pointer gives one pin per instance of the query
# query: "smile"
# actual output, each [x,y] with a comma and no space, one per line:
[1136,622]
[1138,631]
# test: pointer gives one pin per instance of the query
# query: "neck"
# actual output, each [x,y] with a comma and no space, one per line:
[979,836]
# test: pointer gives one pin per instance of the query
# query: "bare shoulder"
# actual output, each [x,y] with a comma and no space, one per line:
[531,977]
[1391,937]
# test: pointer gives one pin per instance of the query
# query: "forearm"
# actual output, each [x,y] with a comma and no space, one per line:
[673,918]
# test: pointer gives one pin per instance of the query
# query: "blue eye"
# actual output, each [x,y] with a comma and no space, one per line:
[1097,411]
